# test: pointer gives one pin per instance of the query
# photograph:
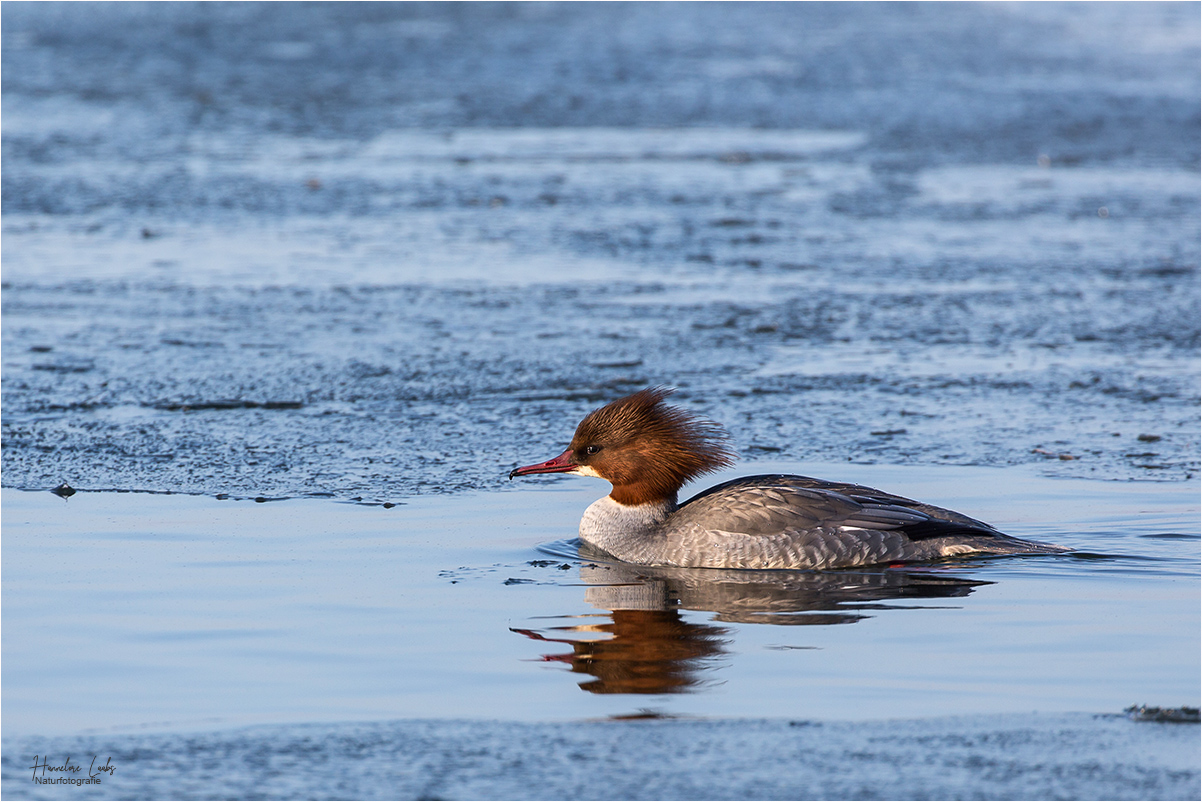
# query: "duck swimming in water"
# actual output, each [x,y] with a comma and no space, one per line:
[648,450]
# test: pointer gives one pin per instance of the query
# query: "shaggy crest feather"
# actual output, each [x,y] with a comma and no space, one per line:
[663,446]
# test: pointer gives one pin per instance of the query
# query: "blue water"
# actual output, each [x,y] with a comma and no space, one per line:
[176,612]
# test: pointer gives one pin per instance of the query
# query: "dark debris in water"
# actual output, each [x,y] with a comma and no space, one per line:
[1169,715]
[644,714]
[188,406]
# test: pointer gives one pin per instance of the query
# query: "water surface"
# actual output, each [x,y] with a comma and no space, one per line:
[176,612]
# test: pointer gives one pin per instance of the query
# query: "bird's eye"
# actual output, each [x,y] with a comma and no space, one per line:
[592,450]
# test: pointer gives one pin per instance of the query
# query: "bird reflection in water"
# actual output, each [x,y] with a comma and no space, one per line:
[647,651]
[642,644]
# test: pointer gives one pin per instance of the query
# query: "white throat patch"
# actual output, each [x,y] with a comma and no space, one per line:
[584,470]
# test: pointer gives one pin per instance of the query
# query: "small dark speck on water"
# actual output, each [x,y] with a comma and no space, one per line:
[1058,455]
[64,491]
[1148,438]
[515,581]
[643,714]
[629,363]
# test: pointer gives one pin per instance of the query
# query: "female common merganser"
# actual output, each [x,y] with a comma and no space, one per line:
[648,450]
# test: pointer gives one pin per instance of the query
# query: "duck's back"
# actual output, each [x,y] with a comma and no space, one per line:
[781,521]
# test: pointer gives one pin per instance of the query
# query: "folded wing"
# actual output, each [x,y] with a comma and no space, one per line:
[830,524]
